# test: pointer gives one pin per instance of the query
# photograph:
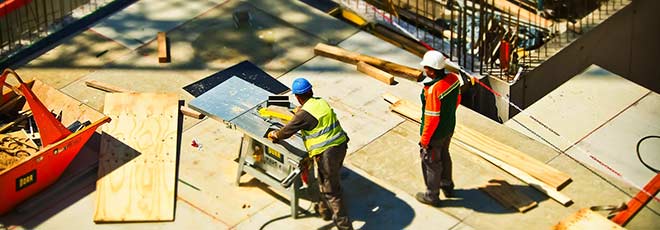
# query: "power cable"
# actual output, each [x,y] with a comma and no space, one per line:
[639,156]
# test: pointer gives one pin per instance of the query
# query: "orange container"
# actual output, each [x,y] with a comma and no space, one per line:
[38,171]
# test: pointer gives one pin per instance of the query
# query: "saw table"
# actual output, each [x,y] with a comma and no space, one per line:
[236,102]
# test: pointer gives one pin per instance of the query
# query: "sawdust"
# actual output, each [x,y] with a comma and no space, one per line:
[14,147]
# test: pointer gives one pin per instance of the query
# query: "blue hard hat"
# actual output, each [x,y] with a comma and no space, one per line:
[301,86]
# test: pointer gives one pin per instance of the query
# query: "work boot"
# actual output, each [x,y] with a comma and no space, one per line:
[448,191]
[426,199]
[323,212]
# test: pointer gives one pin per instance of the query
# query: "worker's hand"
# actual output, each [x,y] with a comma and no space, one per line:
[297,109]
[272,135]
[424,146]
[424,153]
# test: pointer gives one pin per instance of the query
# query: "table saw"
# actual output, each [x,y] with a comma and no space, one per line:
[236,102]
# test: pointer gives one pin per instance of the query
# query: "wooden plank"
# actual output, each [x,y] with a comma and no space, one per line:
[162,48]
[105,86]
[137,159]
[116,89]
[639,201]
[504,193]
[538,185]
[375,73]
[585,219]
[354,57]
[549,175]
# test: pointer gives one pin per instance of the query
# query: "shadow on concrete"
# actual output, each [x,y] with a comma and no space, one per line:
[374,205]
[480,201]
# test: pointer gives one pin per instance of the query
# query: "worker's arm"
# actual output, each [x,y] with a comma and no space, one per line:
[431,116]
[301,121]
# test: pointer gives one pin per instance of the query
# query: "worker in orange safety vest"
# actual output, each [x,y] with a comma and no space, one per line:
[440,99]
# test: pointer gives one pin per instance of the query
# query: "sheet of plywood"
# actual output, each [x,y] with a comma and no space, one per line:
[539,170]
[508,196]
[137,160]
[585,219]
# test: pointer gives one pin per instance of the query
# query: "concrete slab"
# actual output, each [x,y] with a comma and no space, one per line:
[138,24]
[578,107]
[211,41]
[615,143]
[365,116]
[210,173]
[371,205]
[73,59]
[308,19]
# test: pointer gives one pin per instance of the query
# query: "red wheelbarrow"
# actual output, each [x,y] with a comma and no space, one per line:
[59,146]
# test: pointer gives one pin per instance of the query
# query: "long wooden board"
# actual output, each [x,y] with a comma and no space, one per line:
[508,196]
[137,160]
[354,57]
[586,219]
[549,175]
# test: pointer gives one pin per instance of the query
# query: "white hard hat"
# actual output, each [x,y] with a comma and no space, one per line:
[433,59]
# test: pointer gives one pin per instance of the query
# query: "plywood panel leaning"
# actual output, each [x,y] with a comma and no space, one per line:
[137,160]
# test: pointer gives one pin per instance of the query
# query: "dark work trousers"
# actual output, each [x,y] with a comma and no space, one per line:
[329,163]
[437,171]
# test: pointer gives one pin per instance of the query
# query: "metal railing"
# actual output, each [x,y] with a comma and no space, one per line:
[23,23]
[500,38]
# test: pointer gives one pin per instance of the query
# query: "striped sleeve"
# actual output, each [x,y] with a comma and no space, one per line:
[431,114]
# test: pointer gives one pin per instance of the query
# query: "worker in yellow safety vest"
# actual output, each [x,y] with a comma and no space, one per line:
[326,143]
[440,99]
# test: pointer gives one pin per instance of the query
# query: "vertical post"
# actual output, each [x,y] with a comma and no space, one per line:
[451,30]
[472,44]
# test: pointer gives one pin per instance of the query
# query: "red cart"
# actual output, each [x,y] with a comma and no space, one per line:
[59,145]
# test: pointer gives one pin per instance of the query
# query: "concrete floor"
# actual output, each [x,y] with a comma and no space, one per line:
[382,171]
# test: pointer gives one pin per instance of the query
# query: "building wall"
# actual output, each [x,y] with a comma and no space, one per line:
[627,43]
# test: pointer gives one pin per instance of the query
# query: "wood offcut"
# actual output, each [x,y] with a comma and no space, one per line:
[163,56]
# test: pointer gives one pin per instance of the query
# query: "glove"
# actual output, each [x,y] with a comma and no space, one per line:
[425,153]
[272,136]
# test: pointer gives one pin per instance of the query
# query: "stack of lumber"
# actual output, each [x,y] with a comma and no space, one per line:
[533,172]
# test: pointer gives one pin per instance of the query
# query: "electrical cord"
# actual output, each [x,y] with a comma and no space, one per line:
[640,156]
[284,217]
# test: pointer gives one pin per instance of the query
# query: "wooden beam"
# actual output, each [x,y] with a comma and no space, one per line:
[585,219]
[538,185]
[354,57]
[163,56]
[639,201]
[375,73]
[116,89]
[508,196]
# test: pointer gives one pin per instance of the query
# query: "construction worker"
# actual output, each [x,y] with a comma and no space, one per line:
[326,143]
[440,98]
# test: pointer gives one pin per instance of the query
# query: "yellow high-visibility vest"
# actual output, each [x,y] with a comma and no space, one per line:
[327,132]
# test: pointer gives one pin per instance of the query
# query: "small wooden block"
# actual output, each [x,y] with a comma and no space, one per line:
[162,48]
[506,195]
[585,219]
[375,73]
[191,113]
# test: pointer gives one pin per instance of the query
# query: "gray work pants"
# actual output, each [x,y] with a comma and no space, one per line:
[329,163]
[437,170]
